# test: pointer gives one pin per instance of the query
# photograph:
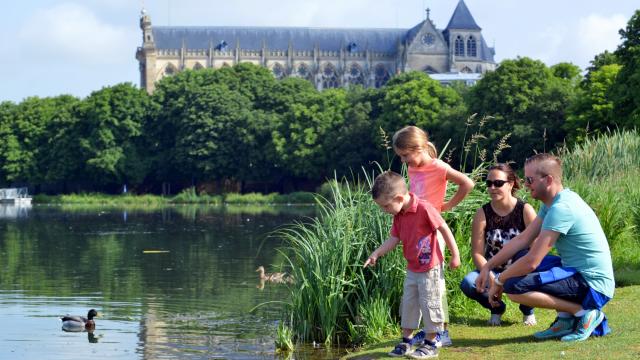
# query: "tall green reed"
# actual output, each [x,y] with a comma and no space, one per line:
[605,171]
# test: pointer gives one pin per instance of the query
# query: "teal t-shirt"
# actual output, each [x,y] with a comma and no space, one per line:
[582,243]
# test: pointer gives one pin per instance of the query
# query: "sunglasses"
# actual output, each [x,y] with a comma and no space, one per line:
[529,179]
[496,183]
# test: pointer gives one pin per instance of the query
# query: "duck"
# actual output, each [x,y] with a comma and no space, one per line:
[276,277]
[80,323]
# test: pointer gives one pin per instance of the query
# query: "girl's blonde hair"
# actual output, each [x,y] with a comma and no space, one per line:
[415,139]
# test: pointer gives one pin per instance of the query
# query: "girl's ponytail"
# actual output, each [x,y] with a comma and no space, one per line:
[431,150]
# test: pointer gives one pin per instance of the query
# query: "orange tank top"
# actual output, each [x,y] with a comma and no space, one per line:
[429,182]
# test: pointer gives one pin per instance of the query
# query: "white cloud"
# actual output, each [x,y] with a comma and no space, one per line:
[72,31]
[598,33]
[581,40]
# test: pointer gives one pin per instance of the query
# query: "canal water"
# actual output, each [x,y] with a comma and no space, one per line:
[170,283]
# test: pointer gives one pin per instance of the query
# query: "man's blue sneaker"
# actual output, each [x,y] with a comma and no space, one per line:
[401,349]
[586,324]
[560,327]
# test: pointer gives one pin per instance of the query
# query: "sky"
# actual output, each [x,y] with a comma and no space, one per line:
[55,47]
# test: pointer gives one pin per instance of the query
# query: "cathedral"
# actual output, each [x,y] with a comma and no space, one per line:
[327,57]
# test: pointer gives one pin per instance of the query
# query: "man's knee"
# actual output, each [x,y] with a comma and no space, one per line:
[516,286]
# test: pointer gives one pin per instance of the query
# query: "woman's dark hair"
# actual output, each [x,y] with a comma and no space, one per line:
[511,175]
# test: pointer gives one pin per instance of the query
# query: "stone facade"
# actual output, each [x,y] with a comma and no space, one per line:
[327,57]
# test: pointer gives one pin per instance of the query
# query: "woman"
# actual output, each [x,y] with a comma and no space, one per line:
[494,225]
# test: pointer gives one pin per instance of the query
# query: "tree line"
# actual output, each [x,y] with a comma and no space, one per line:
[241,128]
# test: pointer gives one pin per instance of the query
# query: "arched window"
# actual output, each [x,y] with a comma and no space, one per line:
[479,69]
[356,76]
[278,71]
[329,77]
[170,69]
[466,70]
[382,75]
[459,46]
[198,66]
[303,71]
[471,47]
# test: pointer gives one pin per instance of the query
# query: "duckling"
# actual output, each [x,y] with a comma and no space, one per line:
[274,277]
[80,323]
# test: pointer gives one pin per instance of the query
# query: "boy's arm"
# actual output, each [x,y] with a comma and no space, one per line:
[386,246]
[450,241]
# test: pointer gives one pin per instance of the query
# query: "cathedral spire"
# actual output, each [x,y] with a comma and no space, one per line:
[462,18]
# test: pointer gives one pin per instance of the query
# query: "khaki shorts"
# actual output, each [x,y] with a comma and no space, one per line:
[422,297]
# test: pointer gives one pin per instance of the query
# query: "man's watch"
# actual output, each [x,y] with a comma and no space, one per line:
[497,281]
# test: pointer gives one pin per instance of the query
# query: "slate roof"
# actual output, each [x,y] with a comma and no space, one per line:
[462,18]
[278,38]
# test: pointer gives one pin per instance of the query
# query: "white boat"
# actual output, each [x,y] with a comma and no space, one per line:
[18,196]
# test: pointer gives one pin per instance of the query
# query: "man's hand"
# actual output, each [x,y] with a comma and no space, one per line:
[495,295]
[483,279]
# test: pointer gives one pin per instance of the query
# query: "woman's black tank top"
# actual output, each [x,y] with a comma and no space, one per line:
[499,230]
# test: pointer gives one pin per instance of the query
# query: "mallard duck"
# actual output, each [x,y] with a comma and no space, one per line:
[79,323]
[276,277]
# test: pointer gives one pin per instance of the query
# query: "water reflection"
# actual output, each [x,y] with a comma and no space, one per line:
[189,300]
[14,211]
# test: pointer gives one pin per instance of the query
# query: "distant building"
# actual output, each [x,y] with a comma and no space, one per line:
[327,57]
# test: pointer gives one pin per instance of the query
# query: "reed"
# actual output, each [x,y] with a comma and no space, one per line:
[605,171]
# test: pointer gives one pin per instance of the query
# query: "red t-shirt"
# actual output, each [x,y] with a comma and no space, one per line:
[417,229]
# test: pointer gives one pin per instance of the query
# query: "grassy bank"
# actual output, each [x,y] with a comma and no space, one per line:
[475,340]
[188,196]
[336,301]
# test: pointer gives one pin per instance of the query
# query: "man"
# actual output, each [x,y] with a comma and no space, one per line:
[579,286]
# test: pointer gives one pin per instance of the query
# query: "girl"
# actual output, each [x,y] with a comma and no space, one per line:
[495,224]
[428,178]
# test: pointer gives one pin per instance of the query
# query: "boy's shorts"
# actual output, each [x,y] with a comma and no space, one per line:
[422,296]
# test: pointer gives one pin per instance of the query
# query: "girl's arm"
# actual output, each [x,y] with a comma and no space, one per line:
[465,185]
[386,246]
[477,239]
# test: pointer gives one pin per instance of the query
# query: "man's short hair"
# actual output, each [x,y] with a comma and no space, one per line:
[547,165]
[387,185]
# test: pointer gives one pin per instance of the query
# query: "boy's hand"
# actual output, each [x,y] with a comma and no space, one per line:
[370,261]
[454,262]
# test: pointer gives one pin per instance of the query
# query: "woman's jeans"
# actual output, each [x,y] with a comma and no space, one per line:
[468,287]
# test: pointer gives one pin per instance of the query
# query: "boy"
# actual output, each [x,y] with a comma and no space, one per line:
[415,224]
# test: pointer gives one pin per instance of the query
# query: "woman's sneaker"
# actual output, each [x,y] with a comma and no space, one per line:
[561,326]
[495,320]
[585,326]
[529,320]
[401,349]
[443,339]
[427,350]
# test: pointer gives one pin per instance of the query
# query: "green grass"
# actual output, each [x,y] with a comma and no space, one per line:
[512,340]
[188,196]
[337,302]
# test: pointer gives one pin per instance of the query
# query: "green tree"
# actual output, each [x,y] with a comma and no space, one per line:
[626,90]
[592,112]
[59,162]
[415,99]
[109,128]
[526,100]
[307,131]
